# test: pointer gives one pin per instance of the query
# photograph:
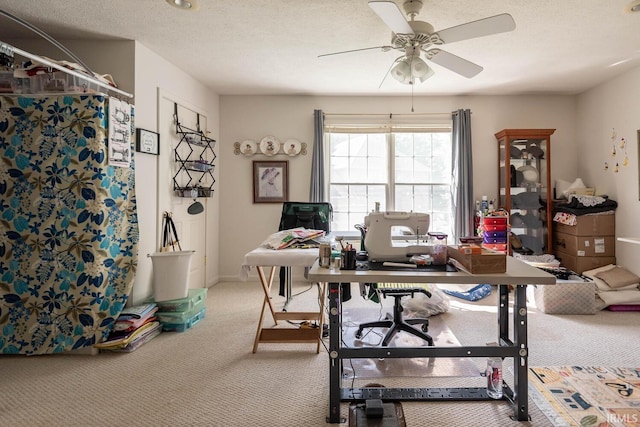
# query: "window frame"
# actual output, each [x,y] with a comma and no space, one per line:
[390,146]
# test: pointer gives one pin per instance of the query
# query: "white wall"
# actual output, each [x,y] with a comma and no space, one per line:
[246,224]
[613,105]
[153,72]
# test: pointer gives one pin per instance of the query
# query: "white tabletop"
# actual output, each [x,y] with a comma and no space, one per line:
[518,273]
[263,257]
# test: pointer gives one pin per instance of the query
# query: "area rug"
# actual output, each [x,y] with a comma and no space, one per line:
[587,395]
[392,367]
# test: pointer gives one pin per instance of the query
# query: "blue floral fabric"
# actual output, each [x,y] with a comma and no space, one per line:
[68,225]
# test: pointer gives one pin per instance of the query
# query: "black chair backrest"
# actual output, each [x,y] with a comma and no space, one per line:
[312,215]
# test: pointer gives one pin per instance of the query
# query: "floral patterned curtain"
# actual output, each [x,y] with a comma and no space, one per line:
[68,225]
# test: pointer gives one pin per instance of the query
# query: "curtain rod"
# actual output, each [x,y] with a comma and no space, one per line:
[47,37]
[384,114]
[390,115]
[10,50]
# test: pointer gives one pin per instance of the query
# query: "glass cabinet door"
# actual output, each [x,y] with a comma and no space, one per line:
[524,177]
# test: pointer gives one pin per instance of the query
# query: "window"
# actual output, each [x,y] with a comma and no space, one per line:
[402,171]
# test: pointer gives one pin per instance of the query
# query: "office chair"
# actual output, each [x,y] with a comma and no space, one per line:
[397,290]
[312,215]
[398,323]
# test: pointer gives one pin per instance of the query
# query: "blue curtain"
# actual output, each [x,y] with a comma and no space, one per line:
[316,192]
[462,204]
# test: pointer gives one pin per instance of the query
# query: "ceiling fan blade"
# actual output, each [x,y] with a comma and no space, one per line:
[454,63]
[391,15]
[382,48]
[480,28]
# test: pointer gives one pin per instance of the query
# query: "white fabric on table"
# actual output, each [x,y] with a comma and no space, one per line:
[281,258]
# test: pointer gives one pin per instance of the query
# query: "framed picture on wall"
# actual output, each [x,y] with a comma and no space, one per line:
[270,181]
[147,141]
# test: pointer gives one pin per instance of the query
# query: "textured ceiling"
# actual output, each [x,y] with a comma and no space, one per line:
[271,47]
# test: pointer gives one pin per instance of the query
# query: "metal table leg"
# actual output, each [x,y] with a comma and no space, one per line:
[521,365]
[335,362]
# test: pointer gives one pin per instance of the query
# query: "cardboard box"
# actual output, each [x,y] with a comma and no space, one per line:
[589,225]
[583,263]
[486,262]
[575,296]
[584,246]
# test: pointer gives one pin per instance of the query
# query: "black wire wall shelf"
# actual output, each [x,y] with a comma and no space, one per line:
[195,157]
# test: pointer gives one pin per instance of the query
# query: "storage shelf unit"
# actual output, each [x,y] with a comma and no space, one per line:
[524,175]
[194,155]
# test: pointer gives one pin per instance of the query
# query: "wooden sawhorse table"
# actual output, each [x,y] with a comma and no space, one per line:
[263,258]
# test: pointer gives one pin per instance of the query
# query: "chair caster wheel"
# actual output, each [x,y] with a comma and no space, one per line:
[358,334]
[425,328]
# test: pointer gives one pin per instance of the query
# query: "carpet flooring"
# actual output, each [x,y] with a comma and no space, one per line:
[208,375]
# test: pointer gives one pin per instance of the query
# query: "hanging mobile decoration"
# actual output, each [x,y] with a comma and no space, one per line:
[616,169]
[613,142]
[623,144]
[606,166]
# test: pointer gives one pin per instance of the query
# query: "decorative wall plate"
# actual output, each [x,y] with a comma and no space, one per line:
[270,145]
[292,147]
[248,147]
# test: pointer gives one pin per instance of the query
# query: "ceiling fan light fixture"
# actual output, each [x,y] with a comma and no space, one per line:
[184,4]
[419,68]
[411,68]
[402,71]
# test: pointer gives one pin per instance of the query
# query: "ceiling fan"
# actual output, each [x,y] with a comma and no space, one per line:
[416,37]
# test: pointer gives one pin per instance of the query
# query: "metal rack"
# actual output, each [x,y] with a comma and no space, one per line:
[195,157]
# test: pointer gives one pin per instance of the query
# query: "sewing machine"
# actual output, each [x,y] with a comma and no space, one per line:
[379,241]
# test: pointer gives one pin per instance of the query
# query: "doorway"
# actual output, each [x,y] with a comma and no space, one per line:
[192,229]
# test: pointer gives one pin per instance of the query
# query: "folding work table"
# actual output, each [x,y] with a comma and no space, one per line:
[518,274]
[262,258]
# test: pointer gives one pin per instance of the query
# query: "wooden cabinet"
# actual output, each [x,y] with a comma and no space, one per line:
[524,177]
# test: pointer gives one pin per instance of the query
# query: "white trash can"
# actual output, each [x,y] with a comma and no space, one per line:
[171,274]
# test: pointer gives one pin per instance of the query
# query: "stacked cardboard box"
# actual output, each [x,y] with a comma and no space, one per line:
[589,244]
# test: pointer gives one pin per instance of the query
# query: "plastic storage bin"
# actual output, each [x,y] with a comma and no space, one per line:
[190,322]
[194,298]
[180,316]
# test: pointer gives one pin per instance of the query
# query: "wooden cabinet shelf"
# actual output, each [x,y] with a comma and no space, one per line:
[524,177]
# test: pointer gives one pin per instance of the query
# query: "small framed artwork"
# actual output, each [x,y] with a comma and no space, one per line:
[147,141]
[270,181]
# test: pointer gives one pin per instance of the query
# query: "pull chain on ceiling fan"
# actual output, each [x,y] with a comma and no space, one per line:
[415,37]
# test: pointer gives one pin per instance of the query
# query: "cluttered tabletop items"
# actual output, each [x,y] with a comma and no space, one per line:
[386,249]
